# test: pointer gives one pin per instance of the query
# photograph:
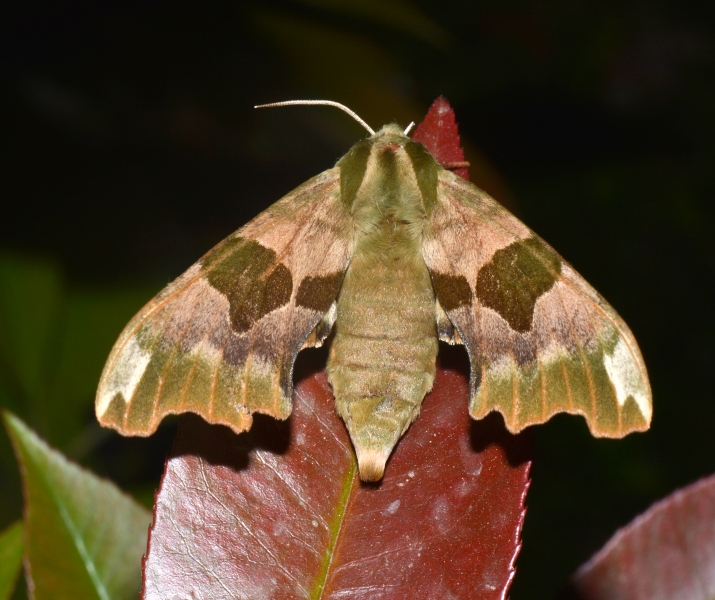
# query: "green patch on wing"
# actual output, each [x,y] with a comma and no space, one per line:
[513,280]
[318,293]
[452,291]
[250,277]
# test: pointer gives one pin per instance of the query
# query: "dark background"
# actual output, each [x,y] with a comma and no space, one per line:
[131,147]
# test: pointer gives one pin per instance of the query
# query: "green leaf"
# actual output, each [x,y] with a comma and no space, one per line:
[10,558]
[85,538]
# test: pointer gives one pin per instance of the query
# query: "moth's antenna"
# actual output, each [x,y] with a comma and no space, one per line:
[409,127]
[323,103]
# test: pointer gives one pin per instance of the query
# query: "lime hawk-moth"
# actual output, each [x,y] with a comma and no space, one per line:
[393,252]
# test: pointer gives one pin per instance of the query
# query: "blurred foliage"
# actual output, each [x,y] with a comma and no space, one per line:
[132,148]
[10,558]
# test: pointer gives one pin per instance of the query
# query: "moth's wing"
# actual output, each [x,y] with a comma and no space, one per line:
[221,340]
[540,339]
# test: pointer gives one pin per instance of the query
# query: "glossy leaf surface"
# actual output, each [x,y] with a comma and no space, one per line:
[439,133]
[667,553]
[279,512]
[85,538]
[10,558]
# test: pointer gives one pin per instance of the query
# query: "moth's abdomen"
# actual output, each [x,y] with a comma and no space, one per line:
[382,360]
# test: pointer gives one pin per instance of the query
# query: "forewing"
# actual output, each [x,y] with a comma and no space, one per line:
[540,339]
[221,340]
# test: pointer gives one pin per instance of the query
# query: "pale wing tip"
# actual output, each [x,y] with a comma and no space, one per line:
[110,407]
[102,402]
[111,411]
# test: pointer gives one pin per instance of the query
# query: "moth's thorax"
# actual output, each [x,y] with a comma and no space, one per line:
[388,178]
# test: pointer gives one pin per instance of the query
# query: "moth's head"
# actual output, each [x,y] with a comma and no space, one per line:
[391,137]
[391,132]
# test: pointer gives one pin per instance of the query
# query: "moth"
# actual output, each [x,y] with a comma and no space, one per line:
[393,252]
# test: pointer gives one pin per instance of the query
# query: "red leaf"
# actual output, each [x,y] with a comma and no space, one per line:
[667,553]
[439,133]
[279,512]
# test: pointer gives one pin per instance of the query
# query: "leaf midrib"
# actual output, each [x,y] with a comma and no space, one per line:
[336,525]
